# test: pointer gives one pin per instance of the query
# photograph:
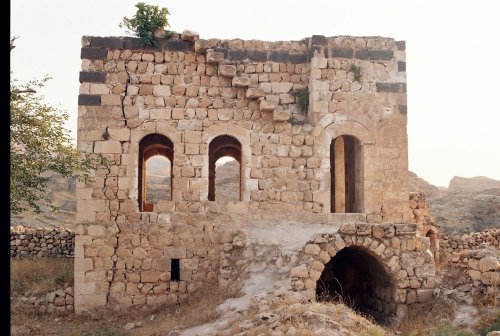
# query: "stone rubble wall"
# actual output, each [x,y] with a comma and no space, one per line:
[60,301]
[28,243]
[471,241]
[481,267]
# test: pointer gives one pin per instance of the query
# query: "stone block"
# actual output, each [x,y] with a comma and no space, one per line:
[214,57]
[150,276]
[175,252]
[300,271]
[111,100]
[162,265]
[241,81]
[227,70]
[267,106]
[107,147]
[92,77]
[489,263]
[424,295]
[281,115]
[165,206]
[89,100]
[185,275]
[96,230]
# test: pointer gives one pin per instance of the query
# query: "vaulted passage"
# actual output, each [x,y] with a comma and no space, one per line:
[357,278]
[346,170]
[222,146]
[156,156]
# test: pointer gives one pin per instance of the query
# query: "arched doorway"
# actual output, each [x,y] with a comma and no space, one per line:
[346,171]
[356,277]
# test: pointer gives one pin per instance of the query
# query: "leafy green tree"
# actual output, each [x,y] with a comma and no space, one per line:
[146,21]
[39,145]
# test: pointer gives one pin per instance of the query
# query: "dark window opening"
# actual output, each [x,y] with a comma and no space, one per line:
[175,270]
[222,146]
[156,157]
[346,172]
[355,277]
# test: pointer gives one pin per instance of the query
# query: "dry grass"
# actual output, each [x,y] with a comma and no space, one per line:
[424,317]
[199,309]
[44,275]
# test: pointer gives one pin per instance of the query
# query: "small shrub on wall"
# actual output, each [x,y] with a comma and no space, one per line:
[147,21]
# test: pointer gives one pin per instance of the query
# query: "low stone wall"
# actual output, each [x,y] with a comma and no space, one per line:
[56,302]
[27,243]
[471,241]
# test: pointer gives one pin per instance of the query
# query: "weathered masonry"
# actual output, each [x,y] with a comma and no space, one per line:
[318,129]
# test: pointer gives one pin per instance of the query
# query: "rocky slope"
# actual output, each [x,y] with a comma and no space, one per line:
[468,205]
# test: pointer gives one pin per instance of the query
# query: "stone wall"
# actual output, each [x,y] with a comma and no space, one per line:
[59,301]
[471,241]
[192,93]
[36,243]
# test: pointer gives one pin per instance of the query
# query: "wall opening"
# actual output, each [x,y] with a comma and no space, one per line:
[223,146]
[357,278]
[158,181]
[156,156]
[227,179]
[346,172]
[175,270]
[433,241]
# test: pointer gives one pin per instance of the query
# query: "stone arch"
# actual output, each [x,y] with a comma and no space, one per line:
[366,140]
[323,248]
[358,277]
[243,136]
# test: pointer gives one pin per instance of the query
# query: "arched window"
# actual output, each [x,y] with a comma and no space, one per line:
[156,157]
[225,147]
[346,169]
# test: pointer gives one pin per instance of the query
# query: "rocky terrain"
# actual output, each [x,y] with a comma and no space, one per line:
[467,205]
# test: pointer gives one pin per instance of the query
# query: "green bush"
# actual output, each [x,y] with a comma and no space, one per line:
[146,21]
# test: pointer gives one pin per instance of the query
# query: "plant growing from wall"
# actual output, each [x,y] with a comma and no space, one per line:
[302,96]
[147,20]
[356,71]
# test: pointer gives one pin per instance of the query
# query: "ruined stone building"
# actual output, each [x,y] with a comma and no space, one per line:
[318,129]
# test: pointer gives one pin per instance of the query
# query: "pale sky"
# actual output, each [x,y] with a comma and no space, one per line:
[452,52]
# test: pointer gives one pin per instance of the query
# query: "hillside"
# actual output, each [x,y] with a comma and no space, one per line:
[468,205]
